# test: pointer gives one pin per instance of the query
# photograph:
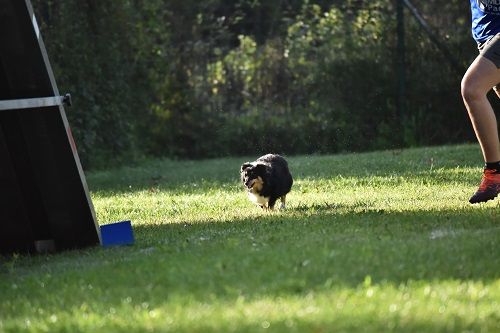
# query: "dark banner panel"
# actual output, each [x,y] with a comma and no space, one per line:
[45,203]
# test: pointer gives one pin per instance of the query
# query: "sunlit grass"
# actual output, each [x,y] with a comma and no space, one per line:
[378,242]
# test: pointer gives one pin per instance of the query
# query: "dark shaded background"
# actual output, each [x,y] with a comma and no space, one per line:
[196,79]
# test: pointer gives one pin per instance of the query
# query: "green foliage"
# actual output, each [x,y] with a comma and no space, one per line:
[105,54]
[213,78]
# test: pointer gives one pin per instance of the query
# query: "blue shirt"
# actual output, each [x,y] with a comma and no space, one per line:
[485,19]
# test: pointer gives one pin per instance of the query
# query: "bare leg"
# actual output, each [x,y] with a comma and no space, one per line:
[478,80]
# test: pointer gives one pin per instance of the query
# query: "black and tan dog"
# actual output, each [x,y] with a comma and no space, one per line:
[266,180]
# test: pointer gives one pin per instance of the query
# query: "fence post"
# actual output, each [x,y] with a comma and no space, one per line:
[401,62]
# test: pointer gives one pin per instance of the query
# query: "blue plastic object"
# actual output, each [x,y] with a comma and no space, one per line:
[118,233]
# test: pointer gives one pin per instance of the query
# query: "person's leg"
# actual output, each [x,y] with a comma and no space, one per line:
[478,80]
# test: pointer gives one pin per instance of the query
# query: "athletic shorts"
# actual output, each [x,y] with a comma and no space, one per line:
[491,50]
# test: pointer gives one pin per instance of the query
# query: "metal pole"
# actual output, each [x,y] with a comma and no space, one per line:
[401,49]
[38,102]
[432,36]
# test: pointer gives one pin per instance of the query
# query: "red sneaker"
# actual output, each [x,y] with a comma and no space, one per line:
[489,188]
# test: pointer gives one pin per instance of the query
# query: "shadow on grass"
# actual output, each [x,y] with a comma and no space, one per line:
[296,252]
[268,257]
[388,246]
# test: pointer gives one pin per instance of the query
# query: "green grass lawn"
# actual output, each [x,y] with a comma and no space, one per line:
[374,242]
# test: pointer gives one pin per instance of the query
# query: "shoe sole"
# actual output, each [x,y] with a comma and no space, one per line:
[483,200]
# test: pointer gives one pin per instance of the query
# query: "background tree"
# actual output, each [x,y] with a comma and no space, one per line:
[197,79]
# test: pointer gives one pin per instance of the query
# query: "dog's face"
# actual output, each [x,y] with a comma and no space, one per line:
[252,176]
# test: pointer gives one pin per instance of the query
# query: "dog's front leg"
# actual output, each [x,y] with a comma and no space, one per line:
[266,207]
[283,199]
[271,203]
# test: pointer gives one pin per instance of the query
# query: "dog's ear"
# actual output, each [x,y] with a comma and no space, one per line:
[260,169]
[245,166]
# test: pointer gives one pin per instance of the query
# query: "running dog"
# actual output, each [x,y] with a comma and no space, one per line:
[266,180]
